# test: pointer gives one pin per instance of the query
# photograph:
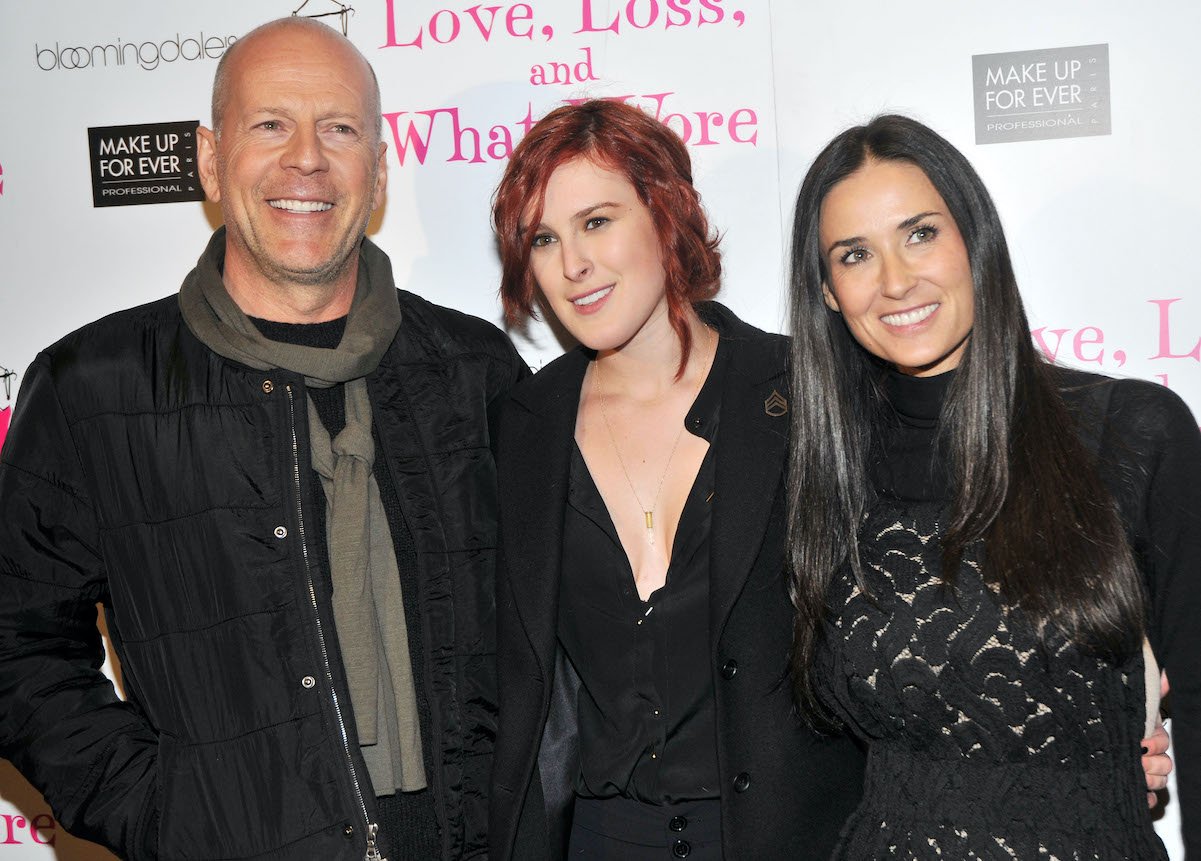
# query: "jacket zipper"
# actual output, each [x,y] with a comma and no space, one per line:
[373,853]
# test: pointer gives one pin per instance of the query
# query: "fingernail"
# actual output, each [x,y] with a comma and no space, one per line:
[1143,748]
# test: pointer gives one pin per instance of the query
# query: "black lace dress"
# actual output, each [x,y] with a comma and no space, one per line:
[982,742]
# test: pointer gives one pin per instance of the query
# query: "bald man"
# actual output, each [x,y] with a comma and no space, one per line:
[279,484]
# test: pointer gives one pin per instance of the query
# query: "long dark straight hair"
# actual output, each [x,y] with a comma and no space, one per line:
[1021,478]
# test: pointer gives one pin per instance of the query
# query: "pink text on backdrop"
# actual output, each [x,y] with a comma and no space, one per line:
[1165,333]
[643,14]
[16,826]
[562,73]
[5,415]
[417,132]
[478,21]
[1085,344]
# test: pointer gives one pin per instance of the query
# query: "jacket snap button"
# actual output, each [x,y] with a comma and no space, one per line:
[310,682]
[348,831]
[268,387]
[742,782]
[677,823]
[281,532]
[681,849]
[729,668]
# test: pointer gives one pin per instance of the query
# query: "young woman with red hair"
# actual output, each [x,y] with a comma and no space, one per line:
[644,623]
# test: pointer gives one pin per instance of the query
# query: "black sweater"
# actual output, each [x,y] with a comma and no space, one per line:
[1149,451]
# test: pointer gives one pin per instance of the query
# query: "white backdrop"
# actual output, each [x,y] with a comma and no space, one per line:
[1097,224]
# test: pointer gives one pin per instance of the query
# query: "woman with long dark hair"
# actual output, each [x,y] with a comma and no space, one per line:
[981,541]
[644,623]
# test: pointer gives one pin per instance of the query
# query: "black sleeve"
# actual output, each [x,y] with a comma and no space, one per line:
[514,370]
[61,722]
[1156,427]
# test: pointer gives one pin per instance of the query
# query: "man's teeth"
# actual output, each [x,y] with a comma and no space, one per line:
[592,298]
[908,318]
[301,205]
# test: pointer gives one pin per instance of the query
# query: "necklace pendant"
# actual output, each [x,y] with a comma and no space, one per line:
[650,527]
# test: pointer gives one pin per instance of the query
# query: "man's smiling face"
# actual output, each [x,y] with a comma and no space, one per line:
[296,163]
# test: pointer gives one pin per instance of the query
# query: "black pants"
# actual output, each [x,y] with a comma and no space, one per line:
[618,829]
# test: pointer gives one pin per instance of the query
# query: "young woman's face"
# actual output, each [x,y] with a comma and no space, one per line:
[595,257]
[899,271]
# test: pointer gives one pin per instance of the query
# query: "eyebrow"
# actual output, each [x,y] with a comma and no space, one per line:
[849,242]
[279,110]
[585,212]
[910,222]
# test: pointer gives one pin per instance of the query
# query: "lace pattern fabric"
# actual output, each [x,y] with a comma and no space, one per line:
[984,742]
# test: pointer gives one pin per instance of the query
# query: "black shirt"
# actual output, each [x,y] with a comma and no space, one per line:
[646,708]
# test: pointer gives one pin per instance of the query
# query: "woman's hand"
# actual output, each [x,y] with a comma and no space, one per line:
[1156,763]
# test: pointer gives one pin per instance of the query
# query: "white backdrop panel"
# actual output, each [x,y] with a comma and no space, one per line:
[1095,224]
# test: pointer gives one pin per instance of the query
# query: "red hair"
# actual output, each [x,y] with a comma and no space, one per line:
[624,139]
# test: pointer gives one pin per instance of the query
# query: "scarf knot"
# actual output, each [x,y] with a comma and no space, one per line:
[368,603]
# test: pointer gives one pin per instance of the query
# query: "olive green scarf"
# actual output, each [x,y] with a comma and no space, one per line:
[368,604]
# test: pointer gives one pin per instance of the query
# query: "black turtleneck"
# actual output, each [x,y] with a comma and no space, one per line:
[907,462]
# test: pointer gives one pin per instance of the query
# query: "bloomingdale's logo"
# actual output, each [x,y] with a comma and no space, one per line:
[149,55]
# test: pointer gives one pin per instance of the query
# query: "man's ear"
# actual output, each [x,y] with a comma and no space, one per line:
[828,295]
[206,162]
[381,177]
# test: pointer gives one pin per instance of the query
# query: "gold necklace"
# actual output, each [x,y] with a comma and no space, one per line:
[648,513]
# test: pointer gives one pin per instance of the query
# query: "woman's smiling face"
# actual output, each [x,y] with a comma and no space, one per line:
[898,268]
[596,256]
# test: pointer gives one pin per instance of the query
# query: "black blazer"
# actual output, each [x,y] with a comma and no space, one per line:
[784,790]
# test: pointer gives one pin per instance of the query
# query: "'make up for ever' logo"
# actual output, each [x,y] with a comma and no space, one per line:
[148,163]
[1034,95]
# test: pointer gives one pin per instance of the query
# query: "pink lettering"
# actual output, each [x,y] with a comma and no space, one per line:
[713,6]
[1083,339]
[446,25]
[652,14]
[704,116]
[502,143]
[435,28]
[11,823]
[485,29]
[682,16]
[468,142]
[586,25]
[520,12]
[744,117]
[644,14]
[685,129]
[1165,348]
[1051,354]
[527,122]
[43,822]
[458,133]
[658,99]
[415,42]
[412,138]
[561,73]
